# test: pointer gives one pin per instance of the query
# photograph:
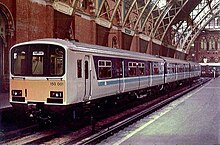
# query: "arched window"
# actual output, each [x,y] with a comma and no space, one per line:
[218,22]
[212,43]
[203,43]
[114,42]
[218,43]
[2,40]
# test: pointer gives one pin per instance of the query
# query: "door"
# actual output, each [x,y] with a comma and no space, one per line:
[121,77]
[1,64]
[87,77]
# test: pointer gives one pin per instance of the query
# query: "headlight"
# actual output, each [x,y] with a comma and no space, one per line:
[56,94]
[16,92]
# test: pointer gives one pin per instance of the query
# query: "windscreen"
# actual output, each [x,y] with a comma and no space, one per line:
[37,60]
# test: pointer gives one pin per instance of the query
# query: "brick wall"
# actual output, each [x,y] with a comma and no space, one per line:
[62,24]
[85,30]
[126,41]
[213,55]
[135,45]
[102,35]
[143,45]
[34,20]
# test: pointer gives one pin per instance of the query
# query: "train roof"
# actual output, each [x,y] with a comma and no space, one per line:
[193,63]
[174,60]
[210,64]
[83,47]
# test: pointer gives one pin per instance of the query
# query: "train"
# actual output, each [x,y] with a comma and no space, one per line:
[210,70]
[57,75]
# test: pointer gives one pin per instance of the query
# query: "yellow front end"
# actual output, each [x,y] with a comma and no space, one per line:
[33,91]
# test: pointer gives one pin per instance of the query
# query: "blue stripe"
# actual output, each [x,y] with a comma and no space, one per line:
[136,79]
[101,83]
[114,82]
[129,80]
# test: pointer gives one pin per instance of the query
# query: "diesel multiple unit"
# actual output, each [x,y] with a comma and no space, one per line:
[60,74]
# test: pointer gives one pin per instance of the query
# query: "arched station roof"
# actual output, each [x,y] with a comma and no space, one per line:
[172,22]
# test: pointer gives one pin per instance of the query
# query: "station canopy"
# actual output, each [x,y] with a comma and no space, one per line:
[176,23]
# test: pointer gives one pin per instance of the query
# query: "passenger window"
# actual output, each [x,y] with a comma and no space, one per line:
[170,68]
[180,68]
[141,68]
[155,68]
[105,69]
[161,68]
[79,68]
[118,69]
[132,69]
[186,68]
[148,68]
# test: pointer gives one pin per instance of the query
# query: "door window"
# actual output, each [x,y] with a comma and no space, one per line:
[86,69]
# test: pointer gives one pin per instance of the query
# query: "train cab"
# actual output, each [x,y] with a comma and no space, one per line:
[37,74]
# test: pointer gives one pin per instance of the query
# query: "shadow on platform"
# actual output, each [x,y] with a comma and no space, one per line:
[4,101]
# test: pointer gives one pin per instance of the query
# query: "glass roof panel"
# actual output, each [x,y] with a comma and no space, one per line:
[127,4]
[198,9]
[162,3]
[148,10]
[214,2]
[202,14]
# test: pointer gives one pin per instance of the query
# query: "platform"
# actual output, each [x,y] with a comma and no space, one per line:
[4,101]
[193,119]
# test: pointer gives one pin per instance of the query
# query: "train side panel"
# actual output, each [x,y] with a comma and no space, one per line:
[83,84]
[187,71]
[195,70]
[106,76]
[157,76]
[96,85]
[75,86]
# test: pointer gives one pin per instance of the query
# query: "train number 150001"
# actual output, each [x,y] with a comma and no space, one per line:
[56,83]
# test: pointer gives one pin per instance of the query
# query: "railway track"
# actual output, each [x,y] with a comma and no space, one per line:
[17,133]
[95,138]
[34,134]
[91,134]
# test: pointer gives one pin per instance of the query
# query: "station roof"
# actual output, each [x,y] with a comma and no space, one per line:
[176,23]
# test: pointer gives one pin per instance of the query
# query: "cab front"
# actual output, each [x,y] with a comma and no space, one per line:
[37,75]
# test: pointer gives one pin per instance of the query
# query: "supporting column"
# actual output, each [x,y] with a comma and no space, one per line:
[135,44]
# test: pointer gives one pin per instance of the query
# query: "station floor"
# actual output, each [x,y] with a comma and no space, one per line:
[193,119]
